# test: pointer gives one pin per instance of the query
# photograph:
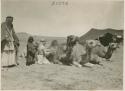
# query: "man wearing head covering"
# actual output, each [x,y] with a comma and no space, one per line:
[9,43]
[41,56]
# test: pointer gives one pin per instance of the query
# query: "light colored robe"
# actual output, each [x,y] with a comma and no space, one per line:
[41,55]
[8,50]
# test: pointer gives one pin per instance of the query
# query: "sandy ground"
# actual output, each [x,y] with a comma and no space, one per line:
[61,77]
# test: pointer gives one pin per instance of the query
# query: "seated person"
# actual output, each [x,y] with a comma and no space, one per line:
[54,55]
[41,56]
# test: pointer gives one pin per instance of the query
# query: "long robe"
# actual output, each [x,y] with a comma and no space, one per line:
[30,54]
[7,45]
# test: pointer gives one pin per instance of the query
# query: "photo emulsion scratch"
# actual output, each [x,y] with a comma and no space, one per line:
[62,44]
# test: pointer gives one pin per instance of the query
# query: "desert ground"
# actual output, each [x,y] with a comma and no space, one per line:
[62,77]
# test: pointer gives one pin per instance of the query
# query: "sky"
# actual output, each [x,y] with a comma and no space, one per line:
[40,17]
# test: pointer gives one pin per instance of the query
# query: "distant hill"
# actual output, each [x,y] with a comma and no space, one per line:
[95,33]
[23,36]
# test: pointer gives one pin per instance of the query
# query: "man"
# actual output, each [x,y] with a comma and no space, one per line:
[9,43]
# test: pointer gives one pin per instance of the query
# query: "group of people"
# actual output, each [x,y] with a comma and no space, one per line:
[74,52]
[36,52]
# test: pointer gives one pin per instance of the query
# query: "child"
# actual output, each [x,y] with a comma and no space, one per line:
[42,53]
[31,50]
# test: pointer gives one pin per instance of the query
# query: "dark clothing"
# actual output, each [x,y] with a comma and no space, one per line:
[52,57]
[31,54]
[106,39]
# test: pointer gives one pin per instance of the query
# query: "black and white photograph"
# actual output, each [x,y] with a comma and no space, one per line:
[62,44]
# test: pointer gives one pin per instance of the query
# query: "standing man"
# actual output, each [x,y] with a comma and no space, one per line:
[9,43]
